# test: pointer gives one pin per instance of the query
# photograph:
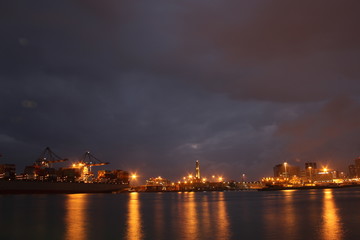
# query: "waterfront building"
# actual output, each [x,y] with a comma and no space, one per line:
[159,184]
[286,170]
[324,177]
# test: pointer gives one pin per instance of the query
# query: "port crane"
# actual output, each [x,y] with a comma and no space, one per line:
[86,162]
[47,158]
[90,160]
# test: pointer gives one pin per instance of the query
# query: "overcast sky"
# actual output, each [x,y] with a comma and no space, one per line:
[152,86]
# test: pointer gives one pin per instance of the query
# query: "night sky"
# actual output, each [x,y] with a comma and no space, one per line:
[152,86]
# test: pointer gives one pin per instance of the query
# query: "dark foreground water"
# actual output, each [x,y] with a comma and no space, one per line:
[308,214]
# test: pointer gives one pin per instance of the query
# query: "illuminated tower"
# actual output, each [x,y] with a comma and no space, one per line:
[197,170]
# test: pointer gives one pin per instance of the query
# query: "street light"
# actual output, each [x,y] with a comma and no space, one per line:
[310,168]
[285,164]
[133,176]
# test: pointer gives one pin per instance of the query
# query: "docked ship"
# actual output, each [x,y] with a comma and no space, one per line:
[41,177]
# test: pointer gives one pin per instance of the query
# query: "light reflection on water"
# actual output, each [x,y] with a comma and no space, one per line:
[189,216]
[289,214]
[76,207]
[332,226]
[316,214]
[279,210]
[134,222]
[222,218]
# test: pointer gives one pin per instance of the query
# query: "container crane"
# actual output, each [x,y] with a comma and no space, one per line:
[47,158]
[41,168]
[86,162]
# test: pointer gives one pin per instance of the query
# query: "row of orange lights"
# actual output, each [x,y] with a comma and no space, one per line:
[187,179]
[190,177]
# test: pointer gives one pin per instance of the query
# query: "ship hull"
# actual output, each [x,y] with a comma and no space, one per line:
[33,187]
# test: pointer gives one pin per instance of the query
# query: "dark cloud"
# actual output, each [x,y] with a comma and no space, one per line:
[328,135]
[155,85]
[280,51]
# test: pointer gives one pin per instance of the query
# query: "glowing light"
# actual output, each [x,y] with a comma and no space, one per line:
[190,176]
[220,179]
[76,215]
[133,176]
[134,218]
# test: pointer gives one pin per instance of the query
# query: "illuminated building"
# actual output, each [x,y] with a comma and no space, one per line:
[286,170]
[324,176]
[159,184]
[197,170]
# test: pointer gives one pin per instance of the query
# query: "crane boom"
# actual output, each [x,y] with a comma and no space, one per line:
[90,160]
[47,157]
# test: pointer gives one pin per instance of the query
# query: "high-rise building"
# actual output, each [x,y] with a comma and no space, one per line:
[197,170]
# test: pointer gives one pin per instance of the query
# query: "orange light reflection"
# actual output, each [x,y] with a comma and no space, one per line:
[190,217]
[222,218]
[134,223]
[331,228]
[76,206]
[289,213]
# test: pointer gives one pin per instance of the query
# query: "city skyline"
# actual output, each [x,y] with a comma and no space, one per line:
[153,86]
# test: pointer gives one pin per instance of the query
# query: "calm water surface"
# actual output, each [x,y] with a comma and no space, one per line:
[312,214]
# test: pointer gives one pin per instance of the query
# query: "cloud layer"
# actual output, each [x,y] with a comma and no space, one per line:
[153,86]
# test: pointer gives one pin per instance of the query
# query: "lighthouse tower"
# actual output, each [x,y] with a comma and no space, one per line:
[197,170]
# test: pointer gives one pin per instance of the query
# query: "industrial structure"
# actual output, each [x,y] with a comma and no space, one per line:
[197,170]
[42,177]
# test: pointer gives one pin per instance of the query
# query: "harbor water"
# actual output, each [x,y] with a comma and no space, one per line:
[290,214]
